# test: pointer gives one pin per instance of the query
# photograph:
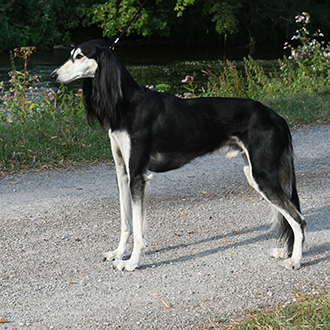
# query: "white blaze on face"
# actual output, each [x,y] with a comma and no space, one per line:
[76,67]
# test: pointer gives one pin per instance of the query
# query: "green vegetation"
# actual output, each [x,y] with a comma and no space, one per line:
[43,127]
[308,312]
[45,23]
[51,141]
[297,88]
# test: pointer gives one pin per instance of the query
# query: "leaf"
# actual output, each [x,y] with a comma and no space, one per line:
[166,305]
[176,234]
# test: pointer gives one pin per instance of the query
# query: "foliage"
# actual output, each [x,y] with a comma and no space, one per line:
[37,22]
[307,70]
[41,128]
[112,17]
[71,102]
[23,101]
[311,54]
[44,23]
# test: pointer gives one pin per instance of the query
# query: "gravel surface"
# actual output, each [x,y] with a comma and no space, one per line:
[208,255]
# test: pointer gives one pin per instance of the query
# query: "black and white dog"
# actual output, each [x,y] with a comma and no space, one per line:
[161,132]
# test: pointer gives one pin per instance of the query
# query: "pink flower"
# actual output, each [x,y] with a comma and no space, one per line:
[187,78]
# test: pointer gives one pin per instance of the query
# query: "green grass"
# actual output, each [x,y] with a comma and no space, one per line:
[308,312]
[47,142]
[302,109]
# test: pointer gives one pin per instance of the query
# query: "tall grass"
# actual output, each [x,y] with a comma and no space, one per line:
[250,80]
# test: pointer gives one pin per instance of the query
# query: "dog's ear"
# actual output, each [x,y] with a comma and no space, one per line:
[106,91]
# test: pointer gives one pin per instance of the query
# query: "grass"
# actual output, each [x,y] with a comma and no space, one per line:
[308,312]
[302,109]
[47,142]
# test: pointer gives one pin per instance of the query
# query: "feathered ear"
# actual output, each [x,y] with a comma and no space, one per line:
[103,93]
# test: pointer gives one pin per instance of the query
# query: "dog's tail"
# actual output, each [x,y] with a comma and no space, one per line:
[288,183]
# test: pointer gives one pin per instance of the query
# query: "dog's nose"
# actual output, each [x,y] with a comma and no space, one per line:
[54,75]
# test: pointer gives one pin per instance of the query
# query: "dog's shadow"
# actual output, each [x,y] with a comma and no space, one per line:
[312,217]
[317,221]
[221,248]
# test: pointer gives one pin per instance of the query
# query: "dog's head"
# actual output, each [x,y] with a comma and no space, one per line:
[81,63]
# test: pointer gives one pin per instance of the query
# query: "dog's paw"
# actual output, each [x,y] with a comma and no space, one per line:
[291,264]
[109,255]
[125,265]
[278,253]
[112,255]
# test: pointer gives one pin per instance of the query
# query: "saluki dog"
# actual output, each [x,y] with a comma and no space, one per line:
[158,132]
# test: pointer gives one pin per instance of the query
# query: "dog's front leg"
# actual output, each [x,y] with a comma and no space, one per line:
[125,207]
[139,188]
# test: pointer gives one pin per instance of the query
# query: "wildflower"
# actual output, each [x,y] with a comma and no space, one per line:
[303,18]
[187,78]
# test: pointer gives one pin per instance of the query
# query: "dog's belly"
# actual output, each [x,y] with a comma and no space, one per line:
[163,162]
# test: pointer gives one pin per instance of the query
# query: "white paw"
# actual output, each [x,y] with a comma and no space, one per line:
[112,255]
[125,265]
[291,264]
[278,253]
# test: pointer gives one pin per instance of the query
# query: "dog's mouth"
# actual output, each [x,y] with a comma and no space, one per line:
[60,79]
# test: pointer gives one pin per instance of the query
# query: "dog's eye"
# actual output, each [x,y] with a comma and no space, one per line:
[79,56]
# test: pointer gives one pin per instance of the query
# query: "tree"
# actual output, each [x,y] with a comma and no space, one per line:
[249,20]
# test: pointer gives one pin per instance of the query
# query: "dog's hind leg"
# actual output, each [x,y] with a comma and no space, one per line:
[277,185]
[281,223]
[139,188]
[292,230]
[125,205]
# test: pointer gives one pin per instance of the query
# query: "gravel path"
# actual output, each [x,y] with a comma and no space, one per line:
[208,245]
